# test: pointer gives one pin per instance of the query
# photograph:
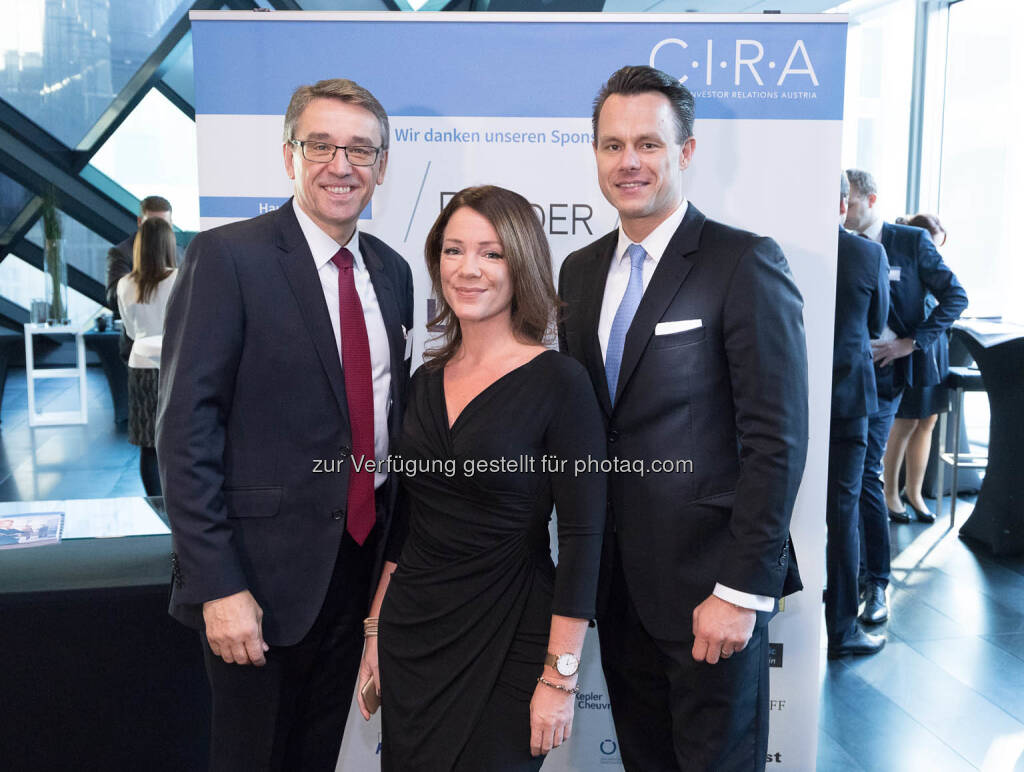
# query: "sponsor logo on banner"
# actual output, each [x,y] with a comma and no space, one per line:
[592,701]
[609,751]
[776,704]
[774,758]
[743,64]
[774,655]
[558,219]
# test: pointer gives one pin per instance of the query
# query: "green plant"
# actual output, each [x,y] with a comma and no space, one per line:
[52,232]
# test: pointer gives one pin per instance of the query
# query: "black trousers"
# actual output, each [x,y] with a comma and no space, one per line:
[846,450]
[674,713]
[874,514]
[290,714]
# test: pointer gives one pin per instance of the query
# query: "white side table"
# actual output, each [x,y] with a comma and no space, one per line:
[55,417]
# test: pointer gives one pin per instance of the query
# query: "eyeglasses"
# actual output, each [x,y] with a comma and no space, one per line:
[320,152]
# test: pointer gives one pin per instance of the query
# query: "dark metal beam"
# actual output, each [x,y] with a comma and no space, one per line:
[12,314]
[78,280]
[22,224]
[151,71]
[176,99]
[76,197]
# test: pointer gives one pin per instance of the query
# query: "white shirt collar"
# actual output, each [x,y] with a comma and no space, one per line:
[657,240]
[874,231]
[323,246]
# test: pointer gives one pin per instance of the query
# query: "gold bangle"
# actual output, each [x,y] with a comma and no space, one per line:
[370,627]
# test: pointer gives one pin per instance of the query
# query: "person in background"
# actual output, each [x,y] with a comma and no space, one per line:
[862,305]
[120,259]
[904,356]
[911,435]
[142,301]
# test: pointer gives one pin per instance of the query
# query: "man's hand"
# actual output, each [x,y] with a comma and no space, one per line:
[720,629]
[234,629]
[887,352]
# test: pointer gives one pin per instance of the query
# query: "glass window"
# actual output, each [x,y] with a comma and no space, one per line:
[22,283]
[63,61]
[84,249]
[982,159]
[879,74]
[154,153]
[180,76]
[13,198]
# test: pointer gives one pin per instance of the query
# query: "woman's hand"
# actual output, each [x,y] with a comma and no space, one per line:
[368,670]
[550,718]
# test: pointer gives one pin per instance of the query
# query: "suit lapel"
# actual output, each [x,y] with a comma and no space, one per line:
[668,276]
[895,320]
[299,269]
[595,276]
[389,310]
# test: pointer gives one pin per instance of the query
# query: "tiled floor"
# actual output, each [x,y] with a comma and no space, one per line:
[947,693]
[64,462]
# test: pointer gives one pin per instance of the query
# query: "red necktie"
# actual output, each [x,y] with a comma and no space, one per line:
[355,363]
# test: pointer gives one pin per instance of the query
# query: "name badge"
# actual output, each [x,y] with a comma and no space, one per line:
[894,274]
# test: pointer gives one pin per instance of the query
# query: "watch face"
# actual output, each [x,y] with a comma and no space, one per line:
[567,664]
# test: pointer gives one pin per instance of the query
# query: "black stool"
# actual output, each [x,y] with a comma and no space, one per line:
[960,379]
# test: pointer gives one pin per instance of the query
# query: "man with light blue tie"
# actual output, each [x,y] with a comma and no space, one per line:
[692,332]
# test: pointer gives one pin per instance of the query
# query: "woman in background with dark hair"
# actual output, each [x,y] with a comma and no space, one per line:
[142,300]
[480,635]
[911,433]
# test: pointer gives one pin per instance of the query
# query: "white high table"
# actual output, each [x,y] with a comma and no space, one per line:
[55,417]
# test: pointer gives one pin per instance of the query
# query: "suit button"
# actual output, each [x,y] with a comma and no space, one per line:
[613,435]
[344,450]
[338,514]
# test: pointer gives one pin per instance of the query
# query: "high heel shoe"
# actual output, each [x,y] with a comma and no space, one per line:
[923,515]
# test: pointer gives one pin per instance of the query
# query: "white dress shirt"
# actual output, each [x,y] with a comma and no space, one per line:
[324,248]
[144,320]
[614,289]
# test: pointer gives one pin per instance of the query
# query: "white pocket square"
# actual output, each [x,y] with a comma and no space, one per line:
[667,328]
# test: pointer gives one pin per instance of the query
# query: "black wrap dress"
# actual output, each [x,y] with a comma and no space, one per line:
[465,622]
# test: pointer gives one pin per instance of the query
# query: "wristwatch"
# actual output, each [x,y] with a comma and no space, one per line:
[566,664]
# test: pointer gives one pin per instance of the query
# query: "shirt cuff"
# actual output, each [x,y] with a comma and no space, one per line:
[744,599]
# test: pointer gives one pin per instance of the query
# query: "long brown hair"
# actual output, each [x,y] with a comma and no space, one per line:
[526,253]
[154,256]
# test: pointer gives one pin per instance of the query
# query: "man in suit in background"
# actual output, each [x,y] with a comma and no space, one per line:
[862,305]
[284,362]
[693,336]
[904,356]
[120,258]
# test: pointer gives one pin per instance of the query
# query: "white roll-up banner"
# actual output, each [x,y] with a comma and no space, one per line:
[505,99]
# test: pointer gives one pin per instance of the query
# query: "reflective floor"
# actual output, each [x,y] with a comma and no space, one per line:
[64,462]
[947,693]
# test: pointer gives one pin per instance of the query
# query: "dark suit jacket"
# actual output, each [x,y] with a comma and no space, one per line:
[921,271]
[730,395]
[862,306]
[119,263]
[251,396]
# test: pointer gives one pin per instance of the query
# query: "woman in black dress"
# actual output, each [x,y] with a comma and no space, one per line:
[495,430]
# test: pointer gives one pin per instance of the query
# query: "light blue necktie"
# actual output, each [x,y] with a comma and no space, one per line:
[624,317]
